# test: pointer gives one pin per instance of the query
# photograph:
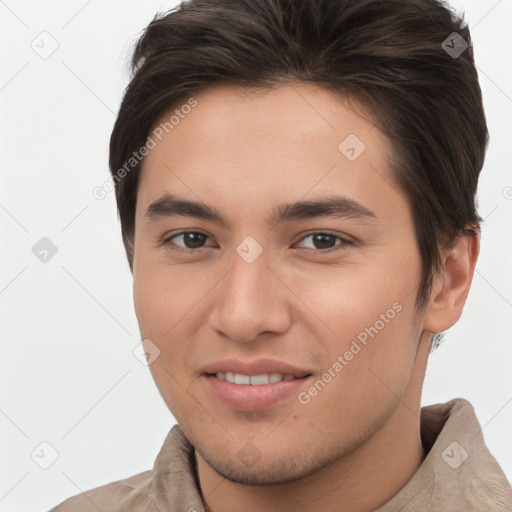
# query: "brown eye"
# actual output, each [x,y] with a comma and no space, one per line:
[326,242]
[187,240]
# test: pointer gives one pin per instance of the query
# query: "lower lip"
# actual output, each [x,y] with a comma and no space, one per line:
[246,397]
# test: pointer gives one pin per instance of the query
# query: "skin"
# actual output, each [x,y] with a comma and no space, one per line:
[357,442]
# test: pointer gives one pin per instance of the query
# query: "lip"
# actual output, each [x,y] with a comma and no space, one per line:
[256,367]
[247,397]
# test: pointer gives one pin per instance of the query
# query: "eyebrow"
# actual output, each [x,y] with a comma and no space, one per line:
[330,206]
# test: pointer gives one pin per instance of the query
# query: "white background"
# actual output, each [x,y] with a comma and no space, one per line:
[67,372]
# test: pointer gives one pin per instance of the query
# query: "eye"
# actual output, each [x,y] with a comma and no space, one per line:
[191,240]
[326,242]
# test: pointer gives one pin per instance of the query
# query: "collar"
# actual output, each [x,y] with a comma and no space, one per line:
[459,472]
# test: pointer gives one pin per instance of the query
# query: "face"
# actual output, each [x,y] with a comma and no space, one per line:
[309,308]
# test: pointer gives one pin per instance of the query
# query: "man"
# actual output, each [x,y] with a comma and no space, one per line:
[296,182]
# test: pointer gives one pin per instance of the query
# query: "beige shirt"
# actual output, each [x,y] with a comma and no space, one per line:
[459,474]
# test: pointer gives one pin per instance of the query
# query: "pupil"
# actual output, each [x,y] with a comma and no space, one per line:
[193,240]
[324,239]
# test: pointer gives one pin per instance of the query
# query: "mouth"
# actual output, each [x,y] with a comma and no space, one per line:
[262,391]
[255,380]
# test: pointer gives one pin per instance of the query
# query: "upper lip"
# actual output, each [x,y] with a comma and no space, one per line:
[256,367]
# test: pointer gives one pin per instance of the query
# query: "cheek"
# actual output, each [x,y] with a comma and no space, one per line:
[167,303]
[364,381]
[358,300]
[161,315]
[372,339]
[161,296]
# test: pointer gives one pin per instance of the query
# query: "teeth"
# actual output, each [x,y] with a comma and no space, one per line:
[255,380]
[242,379]
[259,379]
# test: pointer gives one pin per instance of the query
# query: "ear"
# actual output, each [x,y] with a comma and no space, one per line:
[451,287]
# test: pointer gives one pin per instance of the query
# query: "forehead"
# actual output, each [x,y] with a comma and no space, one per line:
[301,111]
[265,144]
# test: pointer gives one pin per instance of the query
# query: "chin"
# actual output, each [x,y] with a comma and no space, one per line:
[281,470]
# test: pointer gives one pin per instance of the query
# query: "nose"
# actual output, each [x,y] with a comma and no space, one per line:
[249,301]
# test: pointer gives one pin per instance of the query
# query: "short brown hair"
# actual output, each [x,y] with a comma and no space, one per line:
[388,54]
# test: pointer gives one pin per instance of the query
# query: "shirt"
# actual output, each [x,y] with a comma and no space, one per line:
[458,474]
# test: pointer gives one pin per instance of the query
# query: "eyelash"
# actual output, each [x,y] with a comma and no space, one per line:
[340,247]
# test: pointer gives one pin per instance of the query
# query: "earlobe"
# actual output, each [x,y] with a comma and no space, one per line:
[451,287]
